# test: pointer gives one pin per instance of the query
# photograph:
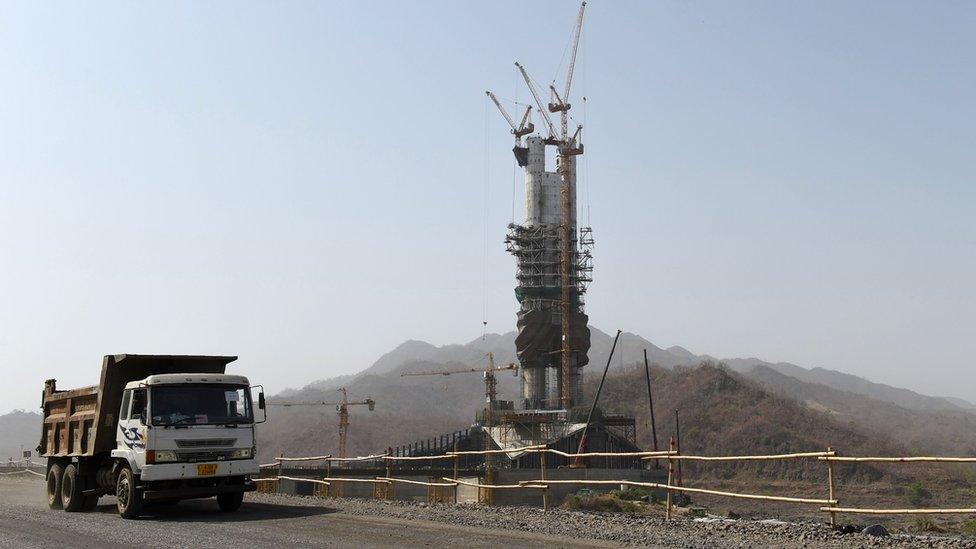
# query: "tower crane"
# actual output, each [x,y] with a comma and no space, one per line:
[342,407]
[491,386]
[525,127]
[561,104]
[535,95]
[491,383]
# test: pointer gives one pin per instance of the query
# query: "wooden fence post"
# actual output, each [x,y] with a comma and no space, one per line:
[278,480]
[667,514]
[391,487]
[545,491]
[830,487]
[328,474]
[456,460]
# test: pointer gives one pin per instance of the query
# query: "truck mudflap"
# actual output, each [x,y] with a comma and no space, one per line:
[151,493]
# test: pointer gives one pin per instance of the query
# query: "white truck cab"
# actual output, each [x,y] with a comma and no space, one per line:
[187,426]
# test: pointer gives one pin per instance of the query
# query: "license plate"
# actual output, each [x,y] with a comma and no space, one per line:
[205,469]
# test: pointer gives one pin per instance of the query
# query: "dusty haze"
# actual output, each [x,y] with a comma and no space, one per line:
[307,186]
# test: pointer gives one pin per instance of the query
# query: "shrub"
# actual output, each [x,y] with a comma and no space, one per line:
[925,524]
[632,494]
[917,494]
[605,503]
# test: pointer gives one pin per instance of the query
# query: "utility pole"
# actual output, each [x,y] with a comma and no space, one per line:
[677,443]
[650,404]
[596,400]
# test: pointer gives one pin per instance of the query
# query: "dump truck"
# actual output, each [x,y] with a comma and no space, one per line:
[156,429]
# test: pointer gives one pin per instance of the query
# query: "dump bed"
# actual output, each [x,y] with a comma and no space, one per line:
[82,422]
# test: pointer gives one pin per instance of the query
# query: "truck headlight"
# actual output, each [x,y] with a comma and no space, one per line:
[161,456]
[242,453]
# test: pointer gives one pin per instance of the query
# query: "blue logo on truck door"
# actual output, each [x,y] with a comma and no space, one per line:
[132,437]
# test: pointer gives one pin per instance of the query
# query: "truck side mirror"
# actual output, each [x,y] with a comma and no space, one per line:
[262,405]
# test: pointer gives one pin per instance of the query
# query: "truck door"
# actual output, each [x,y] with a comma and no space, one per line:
[131,435]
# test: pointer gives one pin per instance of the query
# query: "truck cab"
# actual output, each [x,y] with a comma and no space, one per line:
[188,435]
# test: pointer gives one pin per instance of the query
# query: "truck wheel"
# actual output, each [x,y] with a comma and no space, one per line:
[54,473]
[230,502]
[129,498]
[72,486]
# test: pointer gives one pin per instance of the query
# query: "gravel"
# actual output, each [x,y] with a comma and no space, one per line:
[624,529]
[269,520]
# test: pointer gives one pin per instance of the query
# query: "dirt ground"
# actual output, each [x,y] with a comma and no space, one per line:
[270,520]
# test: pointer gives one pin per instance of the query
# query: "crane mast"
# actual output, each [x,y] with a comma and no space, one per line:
[342,408]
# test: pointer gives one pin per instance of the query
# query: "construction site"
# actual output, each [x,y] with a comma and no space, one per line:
[550,432]
[537,449]
[554,264]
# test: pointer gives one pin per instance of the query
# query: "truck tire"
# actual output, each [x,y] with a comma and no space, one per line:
[54,474]
[230,502]
[129,498]
[72,486]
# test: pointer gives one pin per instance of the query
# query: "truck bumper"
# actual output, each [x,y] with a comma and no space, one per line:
[221,486]
[176,471]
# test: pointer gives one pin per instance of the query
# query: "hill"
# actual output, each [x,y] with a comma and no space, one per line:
[927,431]
[725,413]
[721,412]
[630,349]
[19,430]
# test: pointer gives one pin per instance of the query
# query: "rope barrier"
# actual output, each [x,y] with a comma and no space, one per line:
[372,481]
[802,455]
[494,486]
[865,511]
[828,505]
[671,488]
[417,482]
[900,459]
[297,479]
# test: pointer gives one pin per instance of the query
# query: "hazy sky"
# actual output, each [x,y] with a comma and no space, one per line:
[304,184]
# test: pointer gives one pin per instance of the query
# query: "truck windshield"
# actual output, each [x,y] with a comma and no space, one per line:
[200,405]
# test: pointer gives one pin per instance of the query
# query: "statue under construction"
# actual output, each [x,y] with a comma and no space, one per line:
[552,253]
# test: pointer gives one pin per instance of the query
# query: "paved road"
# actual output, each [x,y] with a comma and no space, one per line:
[26,522]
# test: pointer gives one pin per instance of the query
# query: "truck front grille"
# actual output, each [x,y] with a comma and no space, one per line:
[205,442]
[211,455]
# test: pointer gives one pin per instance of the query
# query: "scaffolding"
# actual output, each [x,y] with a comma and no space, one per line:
[536,251]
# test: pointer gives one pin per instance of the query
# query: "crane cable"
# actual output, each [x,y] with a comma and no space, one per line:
[487,182]
[514,163]
[586,160]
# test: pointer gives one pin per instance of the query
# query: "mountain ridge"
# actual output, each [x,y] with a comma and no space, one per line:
[630,349]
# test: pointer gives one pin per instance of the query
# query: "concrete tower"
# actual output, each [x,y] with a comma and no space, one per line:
[536,246]
[552,253]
